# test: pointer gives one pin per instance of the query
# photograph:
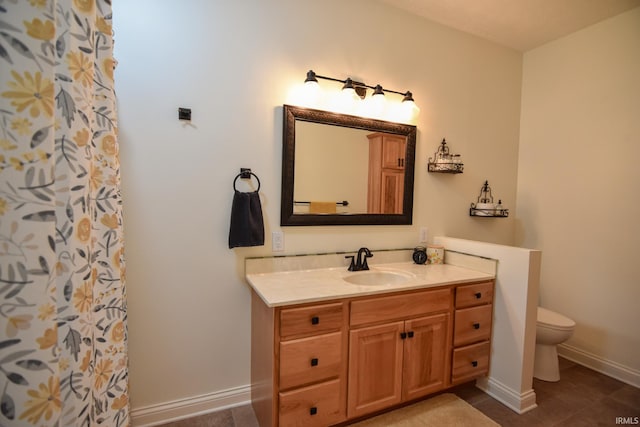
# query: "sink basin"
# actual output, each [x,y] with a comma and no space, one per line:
[378,277]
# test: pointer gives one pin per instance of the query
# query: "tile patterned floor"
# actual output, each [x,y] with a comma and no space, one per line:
[583,398]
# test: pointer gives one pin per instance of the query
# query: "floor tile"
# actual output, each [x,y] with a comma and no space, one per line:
[628,395]
[243,416]
[214,419]
[604,413]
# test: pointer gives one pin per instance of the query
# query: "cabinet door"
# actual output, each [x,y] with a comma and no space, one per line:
[393,151]
[425,356]
[375,368]
[392,191]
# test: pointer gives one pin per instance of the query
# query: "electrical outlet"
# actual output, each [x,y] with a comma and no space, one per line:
[424,232]
[277,241]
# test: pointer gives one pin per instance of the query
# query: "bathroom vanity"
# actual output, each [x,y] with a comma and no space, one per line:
[330,345]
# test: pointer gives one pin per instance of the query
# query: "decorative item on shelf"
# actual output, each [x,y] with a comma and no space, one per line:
[445,162]
[485,206]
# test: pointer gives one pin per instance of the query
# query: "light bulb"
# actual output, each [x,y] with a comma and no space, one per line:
[348,99]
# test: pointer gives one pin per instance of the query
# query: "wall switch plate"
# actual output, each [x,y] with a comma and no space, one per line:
[277,241]
[424,233]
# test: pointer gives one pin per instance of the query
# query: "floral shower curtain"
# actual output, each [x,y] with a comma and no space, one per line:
[63,332]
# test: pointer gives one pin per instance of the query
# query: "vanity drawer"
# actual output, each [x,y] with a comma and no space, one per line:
[472,325]
[470,362]
[376,310]
[315,319]
[476,294]
[310,359]
[318,405]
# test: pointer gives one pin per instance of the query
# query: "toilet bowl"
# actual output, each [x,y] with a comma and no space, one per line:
[551,329]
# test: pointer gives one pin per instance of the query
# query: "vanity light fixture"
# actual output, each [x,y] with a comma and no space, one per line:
[352,88]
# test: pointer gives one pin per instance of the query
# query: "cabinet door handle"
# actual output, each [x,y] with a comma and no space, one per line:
[314,361]
[315,320]
[476,326]
[313,410]
[403,335]
[478,295]
[410,334]
[474,363]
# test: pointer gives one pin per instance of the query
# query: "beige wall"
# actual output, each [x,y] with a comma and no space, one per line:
[331,164]
[233,63]
[579,186]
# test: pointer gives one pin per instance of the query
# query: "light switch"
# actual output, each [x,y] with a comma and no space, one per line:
[423,234]
[277,241]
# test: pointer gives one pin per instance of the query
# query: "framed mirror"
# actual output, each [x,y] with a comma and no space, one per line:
[339,169]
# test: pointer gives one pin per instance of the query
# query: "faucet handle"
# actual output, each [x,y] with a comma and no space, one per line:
[352,266]
[367,254]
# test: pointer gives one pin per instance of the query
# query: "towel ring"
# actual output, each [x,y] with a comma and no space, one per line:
[244,174]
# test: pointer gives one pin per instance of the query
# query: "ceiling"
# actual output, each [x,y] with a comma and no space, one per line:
[519,24]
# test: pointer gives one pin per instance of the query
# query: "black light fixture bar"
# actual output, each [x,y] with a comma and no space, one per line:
[313,77]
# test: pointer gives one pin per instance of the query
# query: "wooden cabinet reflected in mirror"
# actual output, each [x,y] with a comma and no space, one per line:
[345,170]
[386,173]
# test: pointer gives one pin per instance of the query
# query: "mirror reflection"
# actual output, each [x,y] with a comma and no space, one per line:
[331,164]
[340,169]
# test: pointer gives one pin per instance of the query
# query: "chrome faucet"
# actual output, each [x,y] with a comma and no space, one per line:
[360,260]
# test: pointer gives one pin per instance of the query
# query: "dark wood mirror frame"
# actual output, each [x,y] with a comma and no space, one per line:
[292,114]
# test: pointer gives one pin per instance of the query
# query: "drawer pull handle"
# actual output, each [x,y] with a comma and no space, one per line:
[314,361]
[403,335]
[478,295]
[476,326]
[315,320]
[410,334]
[313,410]
[474,363]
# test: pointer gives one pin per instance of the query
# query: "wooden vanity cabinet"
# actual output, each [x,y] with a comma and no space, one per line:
[472,331]
[398,349]
[325,363]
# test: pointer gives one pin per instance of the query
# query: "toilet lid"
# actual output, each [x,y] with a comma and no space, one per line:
[553,319]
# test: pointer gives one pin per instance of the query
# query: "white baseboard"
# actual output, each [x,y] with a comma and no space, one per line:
[184,408]
[599,364]
[518,402]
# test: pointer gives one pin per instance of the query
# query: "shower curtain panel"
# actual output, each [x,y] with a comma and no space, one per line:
[63,331]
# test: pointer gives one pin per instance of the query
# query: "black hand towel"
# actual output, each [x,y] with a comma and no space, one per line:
[247,226]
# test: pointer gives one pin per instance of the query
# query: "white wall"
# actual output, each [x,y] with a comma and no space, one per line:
[233,63]
[515,303]
[579,186]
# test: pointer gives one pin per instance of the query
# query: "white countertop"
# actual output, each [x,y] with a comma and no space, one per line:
[313,285]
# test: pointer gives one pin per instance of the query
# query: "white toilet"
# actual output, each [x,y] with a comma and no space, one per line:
[551,329]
